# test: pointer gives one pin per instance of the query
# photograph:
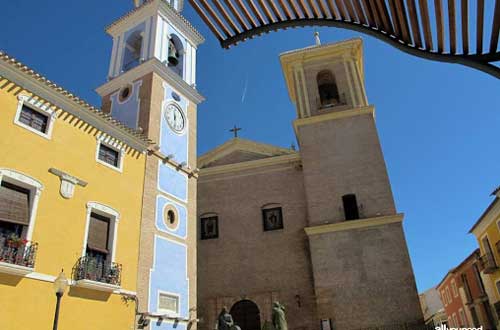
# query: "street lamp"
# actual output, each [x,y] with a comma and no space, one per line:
[60,285]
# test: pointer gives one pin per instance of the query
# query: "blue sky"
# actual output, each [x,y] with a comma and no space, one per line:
[438,123]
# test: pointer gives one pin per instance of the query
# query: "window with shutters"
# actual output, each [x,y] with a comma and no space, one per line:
[98,237]
[14,210]
[350,204]
[35,116]
[168,304]
[102,226]
[110,156]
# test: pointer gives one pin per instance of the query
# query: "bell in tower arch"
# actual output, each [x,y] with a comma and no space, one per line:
[173,54]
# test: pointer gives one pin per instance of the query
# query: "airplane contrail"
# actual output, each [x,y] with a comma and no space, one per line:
[244,90]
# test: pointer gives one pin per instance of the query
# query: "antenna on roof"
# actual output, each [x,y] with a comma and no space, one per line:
[316,38]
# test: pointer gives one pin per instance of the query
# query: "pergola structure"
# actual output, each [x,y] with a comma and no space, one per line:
[453,31]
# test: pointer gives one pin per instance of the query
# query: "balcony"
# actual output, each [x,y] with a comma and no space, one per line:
[17,255]
[93,273]
[488,264]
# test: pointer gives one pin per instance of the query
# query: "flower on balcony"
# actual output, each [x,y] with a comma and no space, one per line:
[16,241]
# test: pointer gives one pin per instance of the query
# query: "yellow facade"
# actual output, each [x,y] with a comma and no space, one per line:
[487,232]
[28,301]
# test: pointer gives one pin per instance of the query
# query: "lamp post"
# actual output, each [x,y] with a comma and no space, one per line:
[60,285]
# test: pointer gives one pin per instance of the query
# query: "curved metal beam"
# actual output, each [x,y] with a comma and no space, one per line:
[479,62]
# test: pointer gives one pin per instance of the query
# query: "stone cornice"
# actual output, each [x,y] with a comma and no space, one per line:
[152,65]
[271,161]
[369,110]
[354,224]
[41,87]
[151,8]
[238,144]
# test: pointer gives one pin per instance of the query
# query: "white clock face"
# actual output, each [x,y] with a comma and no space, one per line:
[175,118]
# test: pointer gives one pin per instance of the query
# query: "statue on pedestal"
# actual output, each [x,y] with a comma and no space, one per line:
[279,317]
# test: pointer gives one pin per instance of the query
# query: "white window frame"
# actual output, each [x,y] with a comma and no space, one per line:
[443,297]
[34,186]
[455,320]
[463,318]
[39,106]
[166,311]
[108,212]
[115,145]
[454,288]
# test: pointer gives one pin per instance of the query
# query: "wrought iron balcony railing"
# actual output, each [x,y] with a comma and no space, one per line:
[17,251]
[488,263]
[95,269]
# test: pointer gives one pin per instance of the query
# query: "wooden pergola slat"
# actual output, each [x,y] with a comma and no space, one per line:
[369,13]
[480,26]
[341,9]
[215,17]
[304,8]
[267,12]
[426,24]
[286,10]
[384,14]
[465,26]
[205,19]
[315,9]
[395,21]
[452,23]
[247,14]
[226,16]
[350,10]
[237,14]
[496,28]
[276,11]
[333,10]
[324,10]
[438,5]
[415,27]
[256,11]
[359,12]
[296,10]
[403,21]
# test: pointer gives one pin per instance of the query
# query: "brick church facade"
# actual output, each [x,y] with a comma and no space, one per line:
[316,229]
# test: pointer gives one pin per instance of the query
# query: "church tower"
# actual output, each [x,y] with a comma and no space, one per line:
[361,267]
[151,87]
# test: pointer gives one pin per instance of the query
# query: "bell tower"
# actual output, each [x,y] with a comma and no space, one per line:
[151,87]
[361,267]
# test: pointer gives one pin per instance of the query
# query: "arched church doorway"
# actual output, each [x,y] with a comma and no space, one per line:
[246,315]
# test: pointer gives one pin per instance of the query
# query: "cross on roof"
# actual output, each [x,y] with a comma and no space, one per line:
[235,130]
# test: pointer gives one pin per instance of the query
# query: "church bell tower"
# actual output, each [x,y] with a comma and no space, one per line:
[361,267]
[151,87]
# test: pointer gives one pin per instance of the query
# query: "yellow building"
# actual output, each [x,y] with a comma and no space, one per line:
[71,185]
[487,232]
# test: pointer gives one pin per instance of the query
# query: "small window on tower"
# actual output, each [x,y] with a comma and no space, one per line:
[209,227]
[350,207]
[272,218]
[132,52]
[327,88]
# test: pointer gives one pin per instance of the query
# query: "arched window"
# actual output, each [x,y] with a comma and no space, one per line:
[175,54]
[327,87]
[132,51]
